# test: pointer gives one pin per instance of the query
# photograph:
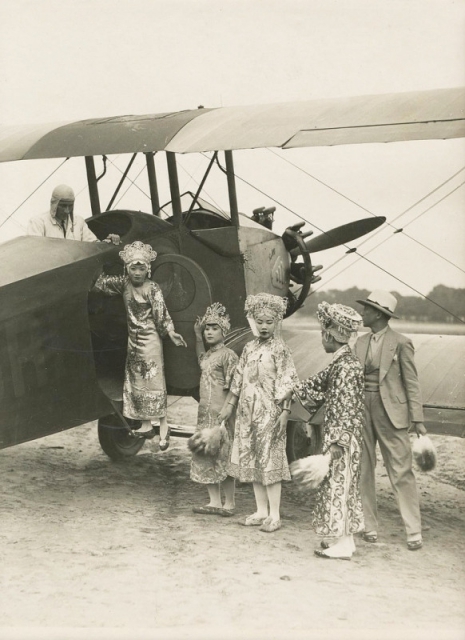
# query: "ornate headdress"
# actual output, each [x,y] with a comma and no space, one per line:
[338,320]
[265,303]
[138,252]
[216,314]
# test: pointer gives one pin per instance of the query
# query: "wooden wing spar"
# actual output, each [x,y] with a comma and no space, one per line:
[420,115]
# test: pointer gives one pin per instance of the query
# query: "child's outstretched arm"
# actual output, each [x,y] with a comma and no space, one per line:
[199,346]
[109,285]
[177,339]
[162,318]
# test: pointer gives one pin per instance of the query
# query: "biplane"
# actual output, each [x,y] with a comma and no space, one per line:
[63,347]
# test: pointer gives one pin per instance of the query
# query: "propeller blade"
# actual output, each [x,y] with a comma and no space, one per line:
[342,234]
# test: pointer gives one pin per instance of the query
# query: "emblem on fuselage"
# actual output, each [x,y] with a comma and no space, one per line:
[278,274]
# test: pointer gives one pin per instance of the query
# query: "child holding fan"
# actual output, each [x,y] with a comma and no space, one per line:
[217,366]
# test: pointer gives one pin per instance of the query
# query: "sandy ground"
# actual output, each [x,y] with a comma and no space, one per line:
[87,543]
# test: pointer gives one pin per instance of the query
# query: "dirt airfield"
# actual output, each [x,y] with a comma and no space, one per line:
[92,548]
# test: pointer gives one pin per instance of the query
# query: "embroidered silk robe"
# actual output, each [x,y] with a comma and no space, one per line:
[337,503]
[144,390]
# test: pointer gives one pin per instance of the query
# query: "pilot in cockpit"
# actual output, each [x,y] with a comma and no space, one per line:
[60,221]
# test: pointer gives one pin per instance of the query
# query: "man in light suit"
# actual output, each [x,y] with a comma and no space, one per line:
[392,406]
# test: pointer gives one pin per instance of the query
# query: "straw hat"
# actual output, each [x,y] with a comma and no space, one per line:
[382,301]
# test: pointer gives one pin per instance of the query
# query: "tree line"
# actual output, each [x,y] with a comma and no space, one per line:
[442,304]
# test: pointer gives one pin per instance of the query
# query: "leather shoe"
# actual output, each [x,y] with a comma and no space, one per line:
[370,537]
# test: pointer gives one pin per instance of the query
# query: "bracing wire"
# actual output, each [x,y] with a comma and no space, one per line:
[416,290]
[357,204]
[351,250]
[372,235]
[359,256]
[396,230]
[325,184]
[389,224]
[174,401]
[281,204]
[133,183]
[130,179]
[197,183]
[433,205]
[129,187]
[32,192]
[398,280]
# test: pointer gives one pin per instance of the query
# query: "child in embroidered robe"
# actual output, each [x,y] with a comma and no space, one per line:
[217,366]
[337,505]
[144,390]
[261,388]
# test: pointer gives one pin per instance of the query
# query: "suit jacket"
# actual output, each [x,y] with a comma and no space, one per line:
[398,379]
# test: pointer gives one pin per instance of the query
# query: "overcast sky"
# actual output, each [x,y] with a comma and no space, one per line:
[72,60]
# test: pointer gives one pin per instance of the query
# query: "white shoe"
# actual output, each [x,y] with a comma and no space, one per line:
[342,549]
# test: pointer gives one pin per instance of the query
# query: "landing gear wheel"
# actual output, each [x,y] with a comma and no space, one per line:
[115,440]
[299,444]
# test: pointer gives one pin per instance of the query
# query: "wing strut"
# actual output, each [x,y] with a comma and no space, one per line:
[152,176]
[92,184]
[174,187]
[232,188]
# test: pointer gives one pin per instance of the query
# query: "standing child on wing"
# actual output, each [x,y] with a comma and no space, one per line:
[144,390]
[217,366]
[261,388]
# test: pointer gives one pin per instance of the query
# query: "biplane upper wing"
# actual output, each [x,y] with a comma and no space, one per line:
[377,118]
[417,115]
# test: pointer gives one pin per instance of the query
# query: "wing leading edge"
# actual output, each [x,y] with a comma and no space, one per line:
[421,115]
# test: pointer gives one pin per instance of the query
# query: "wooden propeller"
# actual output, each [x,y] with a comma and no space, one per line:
[341,235]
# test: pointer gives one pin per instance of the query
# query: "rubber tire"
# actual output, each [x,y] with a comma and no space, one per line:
[298,444]
[115,440]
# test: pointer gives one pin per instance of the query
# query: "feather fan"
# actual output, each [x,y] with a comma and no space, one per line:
[308,473]
[424,453]
[208,441]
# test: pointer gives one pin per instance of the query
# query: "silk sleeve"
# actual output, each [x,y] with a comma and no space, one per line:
[313,389]
[236,385]
[110,285]
[160,313]
[286,374]
[230,361]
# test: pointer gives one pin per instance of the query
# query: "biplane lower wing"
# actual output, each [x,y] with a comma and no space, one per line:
[47,373]
[440,362]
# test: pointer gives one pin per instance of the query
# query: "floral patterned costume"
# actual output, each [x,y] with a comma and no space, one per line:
[217,365]
[338,507]
[265,373]
[144,390]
